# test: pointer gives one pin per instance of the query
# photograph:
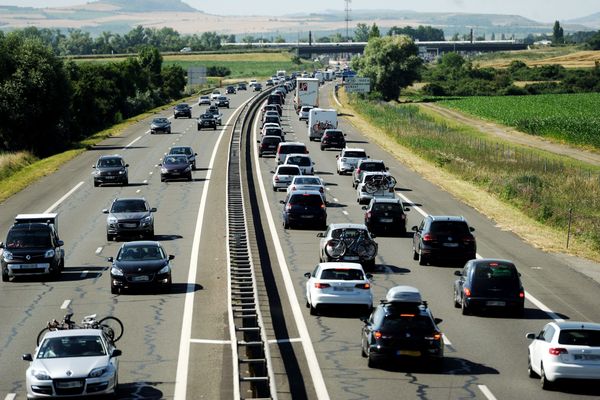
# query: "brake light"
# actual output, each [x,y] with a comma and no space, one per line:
[368,214]
[428,237]
[289,206]
[322,285]
[407,315]
[276,178]
[377,335]
[468,239]
[436,336]
[363,286]
[557,351]
[521,294]
[467,291]
[357,171]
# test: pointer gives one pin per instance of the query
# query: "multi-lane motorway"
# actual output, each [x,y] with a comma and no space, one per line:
[178,345]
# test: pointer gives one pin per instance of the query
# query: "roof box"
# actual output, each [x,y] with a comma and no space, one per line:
[49,218]
[403,294]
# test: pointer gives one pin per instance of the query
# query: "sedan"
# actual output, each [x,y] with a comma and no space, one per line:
[139,265]
[338,283]
[241,86]
[308,183]
[129,216]
[186,151]
[564,350]
[72,362]
[175,167]
[160,124]
[182,110]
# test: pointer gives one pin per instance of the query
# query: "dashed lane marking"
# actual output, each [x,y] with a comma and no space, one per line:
[486,392]
[65,304]
[99,250]
[210,341]
[70,192]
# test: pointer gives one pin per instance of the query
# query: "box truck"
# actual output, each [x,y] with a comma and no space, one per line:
[320,119]
[307,93]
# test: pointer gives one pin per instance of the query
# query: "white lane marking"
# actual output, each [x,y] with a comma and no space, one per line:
[132,142]
[291,340]
[309,351]
[447,341]
[137,191]
[486,392]
[327,188]
[188,309]
[210,341]
[99,250]
[65,304]
[345,212]
[84,274]
[10,396]
[336,200]
[145,181]
[70,192]
[151,172]
[409,201]
[335,98]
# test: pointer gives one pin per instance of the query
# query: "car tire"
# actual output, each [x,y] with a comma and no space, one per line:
[456,302]
[126,182]
[96,184]
[363,354]
[189,178]
[259,154]
[544,382]
[286,225]
[194,166]
[109,237]
[162,179]
[214,128]
[55,272]
[465,309]
[314,310]
[5,276]
[322,148]
[371,363]
[518,312]
[423,260]
[274,188]
[415,254]
[150,235]
[530,372]
[114,290]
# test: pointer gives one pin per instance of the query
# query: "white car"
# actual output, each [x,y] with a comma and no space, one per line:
[215,94]
[348,159]
[303,113]
[204,99]
[283,176]
[567,349]
[340,283]
[303,161]
[252,82]
[375,184]
[303,182]
[72,362]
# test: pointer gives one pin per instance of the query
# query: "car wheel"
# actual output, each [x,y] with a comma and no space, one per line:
[194,166]
[5,277]
[162,179]
[313,310]
[274,188]
[371,363]
[422,259]
[109,237]
[415,254]
[518,311]
[150,235]
[96,184]
[544,382]
[307,304]
[286,225]
[126,182]
[465,309]
[456,301]
[363,354]
[189,178]
[259,154]
[214,128]
[322,148]
[55,272]
[114,289]
[530,372]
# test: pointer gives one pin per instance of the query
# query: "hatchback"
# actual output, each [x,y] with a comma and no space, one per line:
[283,175]
[301,160]
[366,166]
[182,110]
[175,166]
[289,147]
[333,139]
[304,207]
[268,145]
[230,90]
[111,169]
[160,124]
[443,238]
[386,215]
[204,100]
[222,101]
[303,113]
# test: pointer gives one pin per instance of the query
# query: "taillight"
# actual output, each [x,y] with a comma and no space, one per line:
[468,239]
[357,171]
[428,237]
[521,294]
[377,335]
[557,351]
[322,285]
[435,336]
[289,206]
[293,187]
[322,206]
[368,214]
[276,178]
[467,292]
[363,286]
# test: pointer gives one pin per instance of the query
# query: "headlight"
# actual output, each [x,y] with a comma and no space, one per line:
[40,374]
[188,168]
[49,253]
[116,271]
[96,173]
[121,172]
[165,269]
[96,372]
[111,220]
[147,220]
[163,170]
[7,255]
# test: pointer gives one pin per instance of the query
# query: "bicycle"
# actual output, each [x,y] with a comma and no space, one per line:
[362,246]
[111,326]
[379,182]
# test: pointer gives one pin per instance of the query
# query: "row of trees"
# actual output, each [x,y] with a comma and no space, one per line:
[362,32]
[46,104]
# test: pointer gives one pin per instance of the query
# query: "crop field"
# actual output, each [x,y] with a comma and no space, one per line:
[570,118]
[567,56]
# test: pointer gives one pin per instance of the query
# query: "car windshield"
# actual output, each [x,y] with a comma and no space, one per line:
[174,160]
[129,206]
[72,346]
[402,323]
[309,180]
[288,171]
[141,252]
[309,200]
[271,140]
[207,116]
[372,167]
[110,162]
[356,154]
[181,106]
[37,238]
[181,150]
[301,161]
[387,207]
[580,337]
[450,228]
[160,120]
[350,233]
[342,274]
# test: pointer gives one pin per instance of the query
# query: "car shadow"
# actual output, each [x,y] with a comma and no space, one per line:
[112,147]
[406,204]
[162,238]
[528,314]
[386,234]
[330,184]
[401,189]
[202,169]
[140,390]
[176,288]
[357,141]
[343,311]
[451,366]
[67,275]
[323,173]
[389,269]
[576,386]
[135,184]
[336,205]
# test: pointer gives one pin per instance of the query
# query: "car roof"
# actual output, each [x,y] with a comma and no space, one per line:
[403,294]
[348,226]
[344,265]
[353,149]
[455,218]
[577,325]
[73,332]
[110,156]
[293,144]
[129,198]
[141,243]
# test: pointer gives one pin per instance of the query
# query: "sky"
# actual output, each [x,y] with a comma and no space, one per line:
[539,10]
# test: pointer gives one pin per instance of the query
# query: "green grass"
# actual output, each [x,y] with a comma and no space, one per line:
[244,69]
[570,118]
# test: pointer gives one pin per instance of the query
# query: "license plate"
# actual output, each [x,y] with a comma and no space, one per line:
[587,357]
[386,220]
[342,289]
[351,258]
[174,173]
[307,216]
[129,225]
[28,266]
[109,177]
[271,147]
[140,278]
[450,244]
[68,385]
[410,353]
[495,303]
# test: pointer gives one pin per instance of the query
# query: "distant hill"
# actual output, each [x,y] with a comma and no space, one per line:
[593,20]
[140,6]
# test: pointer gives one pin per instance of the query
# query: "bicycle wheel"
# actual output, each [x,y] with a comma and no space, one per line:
[391,182]
[366,249]
[371,187]
[41,335]
[335,248]
[112,327]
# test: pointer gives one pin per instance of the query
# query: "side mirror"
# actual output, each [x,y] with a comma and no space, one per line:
[153,209]
[60,243]
[272,172]
[126,165]
[105,211]
[171,257]
[387,168]
[364,208]
[458,273]
[308,274]
[160,164]
[320,234]
[365,319]
[258,141]
[195,154]
[369,276]
[116,353]
[415,228]
[345,134]
[530,336]
[27,357]
[110,259]
[281,202]
[338,156]
[94,166]
[471,229]
[438,321]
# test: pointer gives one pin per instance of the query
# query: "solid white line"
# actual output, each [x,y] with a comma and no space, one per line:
[65,304]
[486,392]
[309,351]
[336,200]
[99,250]
[447,341]
[133,141]
[407,200]
[291,340]
[186,326]
[210,341]
[145,181]
[10,396]
[335,97]
[70,192]
[84,274]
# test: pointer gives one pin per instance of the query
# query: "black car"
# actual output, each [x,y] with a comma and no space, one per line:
[268,145]
[489,284]
[110,169]
[139,265]
[257,87]
[230,90]
[160,124]
[222,101]
[304,207]
[333,139]
[443,238]
[386,215]
[32,247]
[214,110]
[207,120]
[187,151]
[402,328]
[275,99]
[129,217]
[271,119]
[182,110]
[241,86]
[175,166]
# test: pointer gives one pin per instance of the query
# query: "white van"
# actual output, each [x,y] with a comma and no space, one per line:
[320,119]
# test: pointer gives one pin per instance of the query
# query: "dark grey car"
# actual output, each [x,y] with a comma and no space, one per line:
[187,151]
[175,166]
[160,124]
[110,169]
[131,217]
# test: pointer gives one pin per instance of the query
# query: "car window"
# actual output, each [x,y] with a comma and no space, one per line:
[499,277]
[301,161]
[372,167]
[140,252]
[579,337]
[110,162]
[350,233]
[34,238]
[292,149]
[388,207]
[72,346]
[406,322]
[357,154]
[122,206]
[288,171]
[308,181]
[342,274]
[307,200]
[449,228]
[548,334]
[170,160]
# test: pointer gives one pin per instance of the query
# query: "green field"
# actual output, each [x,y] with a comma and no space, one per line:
[570,118]
[245,69]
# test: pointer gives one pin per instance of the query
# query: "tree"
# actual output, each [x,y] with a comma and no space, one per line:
[361,33]
[594,42]
[455,37]
[558,33]
[493,36]
[173,77]
[151,62]
[374,31]
[391,62]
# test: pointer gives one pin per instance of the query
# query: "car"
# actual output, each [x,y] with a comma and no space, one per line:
[257,87]
[375,185]
[308,183]
[303,113]
[444,238]
[207,120]
[129,216]
[222,101]
[252,82]
[73,362]
[564,350]
[488,283]
[276,98]
[185,50]
[230,90]
[348,159]
[268,125]
[304,207]
[386,215]
[182,110]
[283,175]
[187,151]
[271,119]
[302,160]
[214,110]
[271,107]
[215,94]
[175,167]
[110,169]
[241,86]
[270,113]
[32,247]
[402,328]
[366,166]
[204,99]
[269,82]
[140,264]
[348,242]
[287,148]
[273,131]
[160,124]
[268,145]
[338,283]
[333,139]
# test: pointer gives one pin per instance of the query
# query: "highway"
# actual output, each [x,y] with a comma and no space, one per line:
[178,345]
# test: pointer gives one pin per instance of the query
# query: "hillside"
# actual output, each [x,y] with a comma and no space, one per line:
[141,6]
[593,20]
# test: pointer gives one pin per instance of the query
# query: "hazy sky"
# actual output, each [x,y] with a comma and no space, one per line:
[540,10]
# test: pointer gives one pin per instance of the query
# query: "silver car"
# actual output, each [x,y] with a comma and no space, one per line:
[348,159]
[303,182]
[72,362]
[129,216]
[348,242]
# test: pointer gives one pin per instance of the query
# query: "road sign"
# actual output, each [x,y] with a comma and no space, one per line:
[196,75]
[358,85]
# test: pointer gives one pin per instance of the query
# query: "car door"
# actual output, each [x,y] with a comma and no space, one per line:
[540,346]
[310,283]
[417,236]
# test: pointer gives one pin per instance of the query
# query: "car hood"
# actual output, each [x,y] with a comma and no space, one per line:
[175,167]
[147,266]
[110,169]
[79,367]
[161,124]
[130,215]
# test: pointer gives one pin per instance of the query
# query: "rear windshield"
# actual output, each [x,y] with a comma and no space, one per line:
[273,131]
[388,207]
[372,167]
[335,134]
[292,149]
[270,140]
[39,238]
[400,323]
[288,171]
[500,277]
[350,233]
[313,200]
[357,154]
[342,274]
[450,228]
[580,337]
[307,181]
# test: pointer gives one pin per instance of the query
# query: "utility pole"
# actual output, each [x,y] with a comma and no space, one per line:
[347,9]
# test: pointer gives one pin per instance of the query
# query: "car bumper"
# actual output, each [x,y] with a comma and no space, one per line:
[116,179]
[558,370]
[391,226]
[306,219]
[175,175]
[448,254]
[140,281]
[37,389]
[160,130]
[187,115]
[492,303]
[388,352]
[28,269]
[357,298]
[124,231]
[202,125]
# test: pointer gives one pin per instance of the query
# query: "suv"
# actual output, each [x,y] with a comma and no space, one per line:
[304,207]
[32,247]
[348,159]
[268,145]
[386,215]
[333,139]
[182,110]
[443,237]
[207,120]
[366,166]
[222,101]
[402,327]
[187,151]
[241,86]
[348,242]
[489,283]
[110,169]
[129,216]
[287,148]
